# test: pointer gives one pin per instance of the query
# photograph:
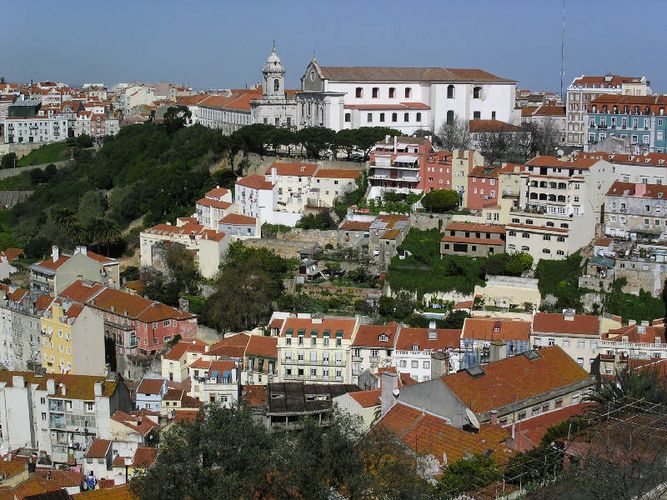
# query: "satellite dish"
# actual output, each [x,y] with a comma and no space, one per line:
[472,418]
[560,152]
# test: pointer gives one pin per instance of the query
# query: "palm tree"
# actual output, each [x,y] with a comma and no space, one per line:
[102,232]
[66,220]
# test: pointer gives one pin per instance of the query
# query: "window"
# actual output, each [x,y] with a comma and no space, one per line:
[369,117]
[408,92]
[450,117]
[375,92]
[580,362]
[394,117]
[558,403]
[406,117]
[414,364]
[392,92]
[418,117]
[382,117]
[90,407]
[566,343]
[276,85]
[522,415]
[552,342]
[348,117]
[477,93]
[359,93]
[450,92]
[426,365]
[403,363]
[581,344]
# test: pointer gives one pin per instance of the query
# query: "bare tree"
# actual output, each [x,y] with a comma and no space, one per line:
[455,134]
[545,137]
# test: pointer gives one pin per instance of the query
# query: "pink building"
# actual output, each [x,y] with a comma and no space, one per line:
[409,164]
[483,187]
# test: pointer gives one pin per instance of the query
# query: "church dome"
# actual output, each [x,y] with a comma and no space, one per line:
[273,62]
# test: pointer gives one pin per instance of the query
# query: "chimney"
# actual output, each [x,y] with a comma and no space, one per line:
[497,350]
[274,174]
[18,381]
[63,389]
[55,253]
[395,143]
[494,417]
[206,348]
[98,389]
[83,250]
[389,390]
[432,332]
[386,139]
[50,386]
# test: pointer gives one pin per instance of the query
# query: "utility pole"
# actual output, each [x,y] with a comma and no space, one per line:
[562,50]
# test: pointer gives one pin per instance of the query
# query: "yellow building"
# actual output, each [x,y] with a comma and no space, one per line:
[72,339]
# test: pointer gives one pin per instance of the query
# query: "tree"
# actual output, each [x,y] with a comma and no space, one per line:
[183,268]
[8,161]
[38,248]
[175,118]
[517,263]
[67,222]
[468,474]
[321,220]
[440,201]
[84,141]
[316,139]
[455,319]
[102,232]
[91,205]
[454,134]
[158,287]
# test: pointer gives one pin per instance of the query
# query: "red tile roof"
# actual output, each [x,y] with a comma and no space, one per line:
[367,399]
[183,346]
[135,307]
[427,434]
[238,220]
[552,161]
[369,335]
[651,159]
[407,74]
[293,169]
[654,191]
[353,225]
[255,182]
[496,329]
[217,192]
[81,291]
[637,333]
[206,202]
[151,386]
[484,126]
[99,448]
[121,492]
[472,240]
[515,379]
[11,253]
[338,173]
[409,337]
[605,81]
[260,345]
[142,425]
[580,324]
[144,457]
[254,395]
[475,228]
[233,346]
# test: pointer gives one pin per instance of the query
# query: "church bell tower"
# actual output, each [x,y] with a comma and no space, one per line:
[274,77]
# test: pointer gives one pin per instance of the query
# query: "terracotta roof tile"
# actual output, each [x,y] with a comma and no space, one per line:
[409,337]
[475,228]
[484,126]
[367,399]
[369,335]
[255,395]
[515,379]
[552,161]
[11,253]
[255,182]
[496,329]
[121,492]
[99,448]
[151,386]
[293,169]
[183,346]
[406,74]
[135,307]
[207,202]
[580,324]
[81,291]
[233,346]
[77,386]
[310,327]
[260,345]
[427,434]
[238,220]
[338,173]
[353,225]
[144,457]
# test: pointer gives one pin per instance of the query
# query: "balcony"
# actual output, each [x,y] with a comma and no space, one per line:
[317,362]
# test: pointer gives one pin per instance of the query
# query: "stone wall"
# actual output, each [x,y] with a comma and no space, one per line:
[425,221]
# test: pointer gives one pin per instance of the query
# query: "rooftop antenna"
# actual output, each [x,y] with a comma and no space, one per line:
[562,48]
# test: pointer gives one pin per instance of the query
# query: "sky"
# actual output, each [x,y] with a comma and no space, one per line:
[221,44]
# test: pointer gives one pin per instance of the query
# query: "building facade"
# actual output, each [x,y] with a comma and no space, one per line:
[636,211]
[473,240]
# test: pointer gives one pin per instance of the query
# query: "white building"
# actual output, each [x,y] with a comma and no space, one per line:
[19,329]
[373,348]
[559,206]
[414,346]
[584,89]
[407,99]
[276,106]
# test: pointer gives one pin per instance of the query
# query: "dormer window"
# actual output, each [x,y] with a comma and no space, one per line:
[415,348]
[383,338]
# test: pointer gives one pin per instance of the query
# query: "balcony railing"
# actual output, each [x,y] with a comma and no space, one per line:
[317,362]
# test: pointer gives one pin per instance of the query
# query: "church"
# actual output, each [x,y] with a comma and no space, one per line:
[277,106]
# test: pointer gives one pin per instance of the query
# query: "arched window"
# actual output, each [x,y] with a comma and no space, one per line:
[276,85]
[533,196]
[406,117]
[376,92]
[450,117]
[552,197]
[418,117]
[394,117]
[477,93]
[359,92]
[450,92]
[408,92]
[561,198]
[543,196]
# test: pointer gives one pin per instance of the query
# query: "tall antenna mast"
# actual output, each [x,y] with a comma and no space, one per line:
[562,49]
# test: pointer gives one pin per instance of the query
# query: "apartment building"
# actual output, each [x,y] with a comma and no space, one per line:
[19,329]
[254,197]
[636,211]
[577,334]
[550,118]
[585,89]
[372,348]
[485,340]
[559,206]
[176,361]
[215,381]
[634,341]
[464,162]
[72,339]
[53,275]
[316,350]
[414,347]
[56,413]
[638,120]
[215,204]
[473,240]
[483,187]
